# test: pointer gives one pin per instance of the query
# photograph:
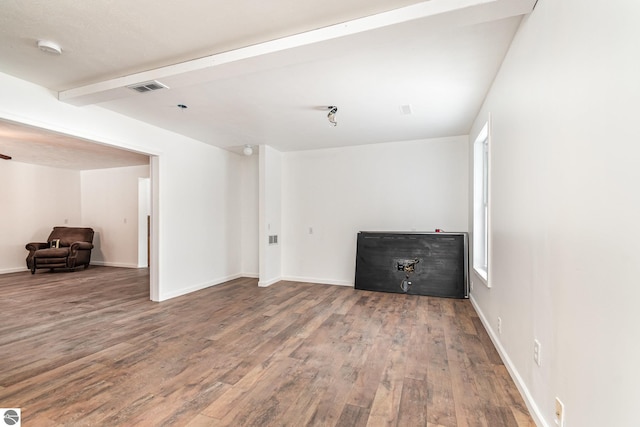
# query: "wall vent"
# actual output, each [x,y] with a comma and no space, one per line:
[148,86]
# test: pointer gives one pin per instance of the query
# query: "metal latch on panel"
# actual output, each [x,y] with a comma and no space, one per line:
[408,266]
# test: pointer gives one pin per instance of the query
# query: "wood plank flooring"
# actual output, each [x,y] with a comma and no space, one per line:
[88,348]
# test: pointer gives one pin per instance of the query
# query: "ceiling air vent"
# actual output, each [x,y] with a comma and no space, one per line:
[148,86]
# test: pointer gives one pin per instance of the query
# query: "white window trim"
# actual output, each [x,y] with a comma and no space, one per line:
[482,205]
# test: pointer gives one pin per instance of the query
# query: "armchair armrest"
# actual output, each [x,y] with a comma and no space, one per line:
[80,246]
[34,246]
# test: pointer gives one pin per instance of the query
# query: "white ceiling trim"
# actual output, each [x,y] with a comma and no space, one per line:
[440,12]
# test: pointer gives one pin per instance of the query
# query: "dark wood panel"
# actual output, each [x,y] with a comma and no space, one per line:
[433,264]
[89,348]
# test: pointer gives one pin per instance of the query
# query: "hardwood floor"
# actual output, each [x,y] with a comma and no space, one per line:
[88,348]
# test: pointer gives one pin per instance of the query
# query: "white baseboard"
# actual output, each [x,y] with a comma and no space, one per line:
[13,270]
[115,264]
[180,292]
[266,283]
[318,281]
[100,263]
[517,379]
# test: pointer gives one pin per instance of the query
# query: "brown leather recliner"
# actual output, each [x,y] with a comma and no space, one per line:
[66,247]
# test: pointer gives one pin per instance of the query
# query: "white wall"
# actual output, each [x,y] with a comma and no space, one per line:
[270,215]
[249,191]
[565,207]
[330,195]
[110,207]
[194,186]
[199,215]
[34,199]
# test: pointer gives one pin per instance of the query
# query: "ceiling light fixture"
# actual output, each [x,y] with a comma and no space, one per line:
[247,150]
[332,115]
[49,47]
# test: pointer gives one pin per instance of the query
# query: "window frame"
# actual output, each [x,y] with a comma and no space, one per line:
[481,254]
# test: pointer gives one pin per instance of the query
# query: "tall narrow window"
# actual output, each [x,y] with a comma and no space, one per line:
[481,203]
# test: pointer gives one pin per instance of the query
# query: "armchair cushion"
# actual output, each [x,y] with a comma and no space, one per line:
[69,235]
[52,253]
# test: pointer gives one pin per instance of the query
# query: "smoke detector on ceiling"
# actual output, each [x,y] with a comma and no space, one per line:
[148,86]
[49,47]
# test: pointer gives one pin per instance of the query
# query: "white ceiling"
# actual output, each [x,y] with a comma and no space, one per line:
[255,72]
[33,145]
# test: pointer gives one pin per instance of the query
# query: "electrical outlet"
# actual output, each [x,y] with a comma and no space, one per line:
[537,348]
[472,285]
[499,325]
[559,418]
